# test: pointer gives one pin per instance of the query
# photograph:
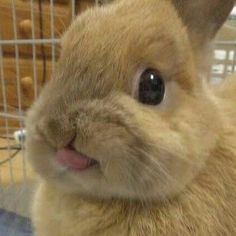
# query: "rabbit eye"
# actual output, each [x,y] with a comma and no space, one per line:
[151,87]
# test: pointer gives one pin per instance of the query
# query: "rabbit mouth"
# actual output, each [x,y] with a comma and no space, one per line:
[74,160]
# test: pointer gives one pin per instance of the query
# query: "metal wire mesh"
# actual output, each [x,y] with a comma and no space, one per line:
[13,167]
[38,51]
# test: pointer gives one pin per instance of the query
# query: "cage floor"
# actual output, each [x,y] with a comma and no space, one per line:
[15,170]
[12,224]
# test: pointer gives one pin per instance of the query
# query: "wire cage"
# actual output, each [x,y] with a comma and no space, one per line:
[29,47]
[29,39]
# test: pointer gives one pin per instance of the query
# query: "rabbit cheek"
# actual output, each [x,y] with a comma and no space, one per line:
[40,155]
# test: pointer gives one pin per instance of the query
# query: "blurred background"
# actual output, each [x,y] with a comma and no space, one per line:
[29,48]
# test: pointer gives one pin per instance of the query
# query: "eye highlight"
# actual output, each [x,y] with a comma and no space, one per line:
[151,87]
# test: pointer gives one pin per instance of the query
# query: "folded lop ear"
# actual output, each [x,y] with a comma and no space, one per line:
[203,18]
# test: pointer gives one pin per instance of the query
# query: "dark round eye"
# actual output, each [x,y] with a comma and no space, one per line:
[151,87]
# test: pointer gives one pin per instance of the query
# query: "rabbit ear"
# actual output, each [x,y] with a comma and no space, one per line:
[203,18]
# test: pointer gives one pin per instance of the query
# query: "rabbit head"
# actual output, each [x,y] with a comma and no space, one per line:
[127,114]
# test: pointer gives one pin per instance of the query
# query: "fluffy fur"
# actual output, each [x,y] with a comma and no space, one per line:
[163,170]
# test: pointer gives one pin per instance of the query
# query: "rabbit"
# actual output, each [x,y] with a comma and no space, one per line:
[129,137]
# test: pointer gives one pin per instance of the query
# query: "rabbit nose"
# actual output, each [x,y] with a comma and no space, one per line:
[58,133]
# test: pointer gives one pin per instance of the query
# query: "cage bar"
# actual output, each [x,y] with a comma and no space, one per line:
[34,50]
[5,109]
[52,34]
[29,41]
[73,13]
[18,80]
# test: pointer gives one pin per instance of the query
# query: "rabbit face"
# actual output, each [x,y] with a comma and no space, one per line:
[126,114]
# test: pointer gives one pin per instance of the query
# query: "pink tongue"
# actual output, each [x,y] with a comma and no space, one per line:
[72,159]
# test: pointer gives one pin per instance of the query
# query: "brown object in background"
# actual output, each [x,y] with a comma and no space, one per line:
[27,89]
[62,11]
[25,27]
[23,18]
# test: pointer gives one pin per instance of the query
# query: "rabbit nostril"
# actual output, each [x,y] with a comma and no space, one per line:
[40,133]
[72,123]
[42,136]
[70,144]
[73,126]
[57,133]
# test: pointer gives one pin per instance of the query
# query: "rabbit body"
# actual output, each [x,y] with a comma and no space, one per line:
[168,169]
[206,207]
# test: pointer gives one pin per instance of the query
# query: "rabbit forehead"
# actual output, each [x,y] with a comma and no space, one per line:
[110,44]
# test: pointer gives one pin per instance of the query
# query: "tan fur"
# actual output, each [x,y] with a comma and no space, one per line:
[163,170]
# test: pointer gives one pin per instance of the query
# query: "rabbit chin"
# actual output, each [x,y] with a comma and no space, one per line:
[91,182]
